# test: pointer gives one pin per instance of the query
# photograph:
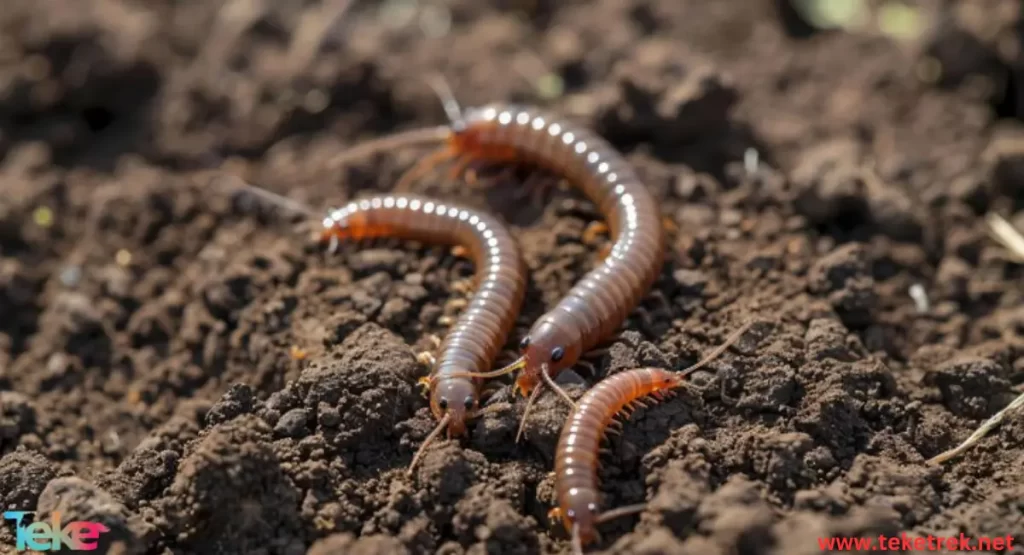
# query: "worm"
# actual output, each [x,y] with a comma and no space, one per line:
[599,303]
[576,457]
[485,323]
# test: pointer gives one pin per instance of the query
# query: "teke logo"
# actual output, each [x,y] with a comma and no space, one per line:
[40,536]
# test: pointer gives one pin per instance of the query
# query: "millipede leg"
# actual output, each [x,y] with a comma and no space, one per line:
[461,165]
[594,354]
[594,230]
[297,353]
[455,304]
[424,382]
[472,177]
[426,358]
[422,168]
[669,225]
[464,286]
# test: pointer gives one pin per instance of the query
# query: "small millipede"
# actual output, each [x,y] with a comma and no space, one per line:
[482,328]
[576,457]
[598,304]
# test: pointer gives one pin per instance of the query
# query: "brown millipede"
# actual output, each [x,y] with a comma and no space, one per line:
[482,328]
[576,457]
[599,303]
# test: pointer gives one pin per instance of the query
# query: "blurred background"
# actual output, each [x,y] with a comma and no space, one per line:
[189,83]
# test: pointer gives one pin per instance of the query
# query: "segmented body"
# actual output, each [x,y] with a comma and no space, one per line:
[500,284]
[576,458]
[599,303]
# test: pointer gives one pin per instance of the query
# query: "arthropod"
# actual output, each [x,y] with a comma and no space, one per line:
[599,303]
[576,457]
[481,330]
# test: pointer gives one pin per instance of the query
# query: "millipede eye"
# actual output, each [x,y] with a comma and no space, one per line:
[557,353]
[524,343]
[468,402]
[443,403]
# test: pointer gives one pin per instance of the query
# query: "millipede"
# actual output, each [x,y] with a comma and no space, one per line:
[481,330]
[599,303]
[577,454]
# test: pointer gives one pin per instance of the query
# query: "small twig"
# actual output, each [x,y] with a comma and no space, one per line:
[1006,234]
[920,297]
[1010,238]
[979,433]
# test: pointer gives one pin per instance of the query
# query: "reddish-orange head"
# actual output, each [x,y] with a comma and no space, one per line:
[472,139]
[454,398]
[344,223]
[547,348]
[663,380]
[580,515]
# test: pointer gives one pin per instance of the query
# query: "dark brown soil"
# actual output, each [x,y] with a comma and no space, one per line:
[148,318]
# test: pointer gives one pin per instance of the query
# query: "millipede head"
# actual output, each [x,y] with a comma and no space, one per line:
[335,226]
[457,399]
[546,346]
[581,515]
[663,381]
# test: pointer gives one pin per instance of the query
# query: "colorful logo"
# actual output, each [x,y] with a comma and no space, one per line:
[41,536]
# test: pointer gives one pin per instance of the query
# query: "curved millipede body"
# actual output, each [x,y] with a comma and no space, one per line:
[599,303]
[576,457]
[482,329]
[499,281]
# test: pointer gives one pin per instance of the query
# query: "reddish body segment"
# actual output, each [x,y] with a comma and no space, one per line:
[596,306]
[577,454]
[576,457]
[500,284]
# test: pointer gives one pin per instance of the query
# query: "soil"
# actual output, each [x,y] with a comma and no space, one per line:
[185,366]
